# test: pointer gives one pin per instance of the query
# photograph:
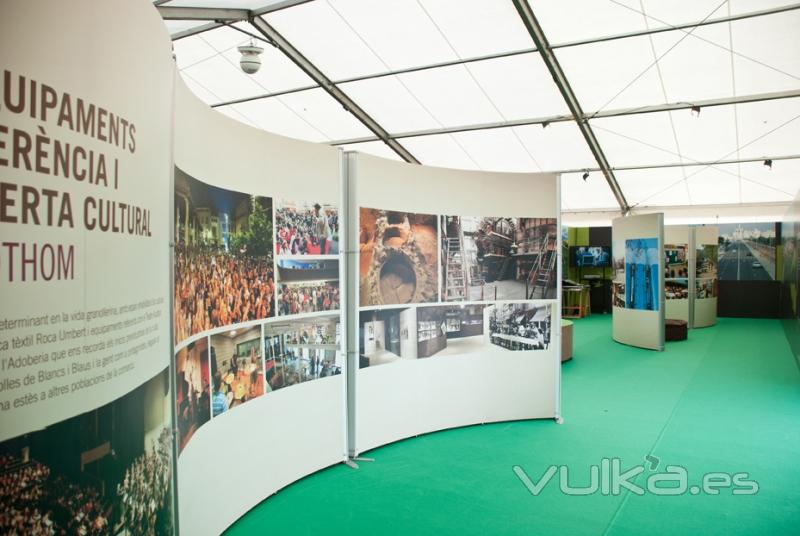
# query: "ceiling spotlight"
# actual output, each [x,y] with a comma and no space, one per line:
[545,124]
[696,111]
[250,61]
[585,175]
[768,163]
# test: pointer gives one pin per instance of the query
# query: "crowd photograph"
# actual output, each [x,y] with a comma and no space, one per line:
[100,473]
[306,229]
[307,286]
[224,270]
[237,368]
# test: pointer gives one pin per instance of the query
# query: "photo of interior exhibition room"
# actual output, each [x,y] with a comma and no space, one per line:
[109,474]
[307,286]
[301,350]
[397,257]
[520,326]
[193,389]
[237,368]
[386,335]
[224,270]
[306,228]
[498,258]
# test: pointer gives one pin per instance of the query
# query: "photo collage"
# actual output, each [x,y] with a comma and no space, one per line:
[253,277]
[486,275]
[676,272]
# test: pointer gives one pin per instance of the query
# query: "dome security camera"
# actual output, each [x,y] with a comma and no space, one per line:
[250,61]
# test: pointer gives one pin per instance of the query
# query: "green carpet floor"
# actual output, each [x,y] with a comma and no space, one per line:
[726,400]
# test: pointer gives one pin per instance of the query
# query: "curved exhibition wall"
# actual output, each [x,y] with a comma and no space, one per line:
[458,295]
[637,292]
[259,383]
[85,399]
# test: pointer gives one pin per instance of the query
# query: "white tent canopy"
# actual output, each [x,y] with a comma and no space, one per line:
[673,105]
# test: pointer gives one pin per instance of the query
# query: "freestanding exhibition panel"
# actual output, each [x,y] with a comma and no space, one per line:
[678,272]
[638,286]
[457,301]
[259,371]
[85,399]
[706,241]
[690,274]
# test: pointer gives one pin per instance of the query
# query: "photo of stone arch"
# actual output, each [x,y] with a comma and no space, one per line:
[398,257]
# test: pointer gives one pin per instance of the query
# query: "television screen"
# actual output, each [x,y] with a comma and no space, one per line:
[590,256]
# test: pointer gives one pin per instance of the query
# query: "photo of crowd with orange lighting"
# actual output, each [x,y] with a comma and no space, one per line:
[306,229]
[223,257]
[237,368]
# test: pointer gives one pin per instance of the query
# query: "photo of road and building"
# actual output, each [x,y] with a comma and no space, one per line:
[747,251]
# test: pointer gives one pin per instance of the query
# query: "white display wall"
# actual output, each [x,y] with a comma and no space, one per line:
[277,409]
[638,285]
[85,165]
[448,342]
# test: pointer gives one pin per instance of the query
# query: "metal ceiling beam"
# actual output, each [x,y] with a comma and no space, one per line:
[196,30]
[561,81]
[202,13]
[340,96]
[706,163]
[655,108]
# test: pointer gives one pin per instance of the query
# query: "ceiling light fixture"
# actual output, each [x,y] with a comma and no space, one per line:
[696,111]
[768,163]
[250,61]
[585,175]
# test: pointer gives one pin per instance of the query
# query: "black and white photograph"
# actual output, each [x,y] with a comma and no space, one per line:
[489,258]
[520,326]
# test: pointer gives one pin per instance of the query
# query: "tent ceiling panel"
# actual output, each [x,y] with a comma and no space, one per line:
[451,95]
[762,185]
[559,146]
[519,86]
[769,128]
[768,53]
[574,20]
[175,26]
[613,74]
[222,78]
[311,115]
[477,27]
[593,193]
[660,186]
[637,140]
[325,38]
[441,150]
[391,104]
[498,149]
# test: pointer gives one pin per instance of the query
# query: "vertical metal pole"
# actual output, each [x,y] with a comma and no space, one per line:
[171,318]
[350,302]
